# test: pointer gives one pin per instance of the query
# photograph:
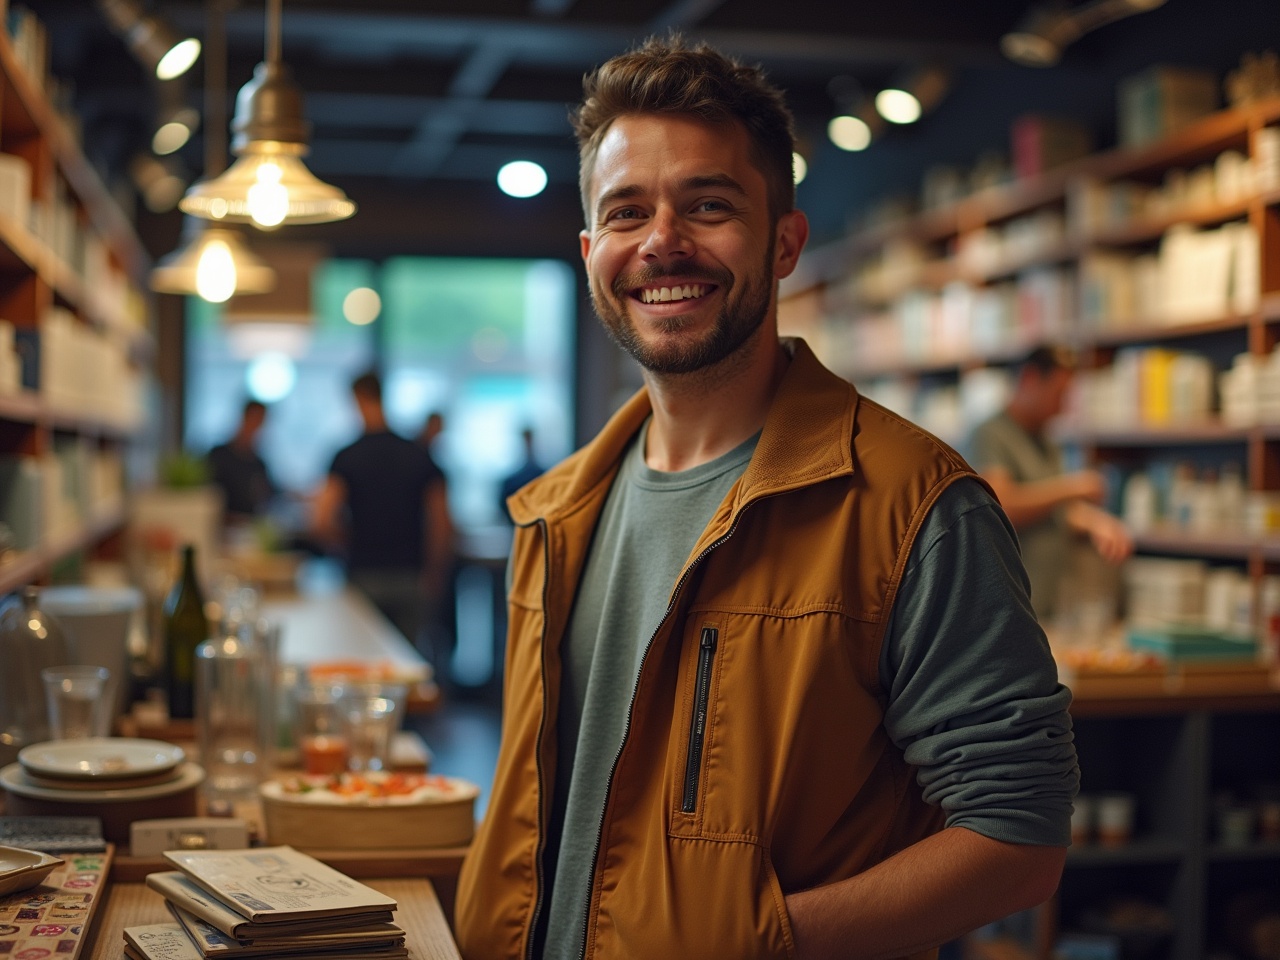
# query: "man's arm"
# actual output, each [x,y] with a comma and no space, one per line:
[973,701]
[1025,503]
[325,508]
[437,539]
[929,893]
[1108,534]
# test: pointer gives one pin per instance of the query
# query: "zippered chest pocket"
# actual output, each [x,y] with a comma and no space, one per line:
[698,718]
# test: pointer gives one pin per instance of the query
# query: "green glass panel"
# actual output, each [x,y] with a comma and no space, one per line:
[441,304]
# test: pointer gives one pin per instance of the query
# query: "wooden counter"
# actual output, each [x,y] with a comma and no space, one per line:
[134,904]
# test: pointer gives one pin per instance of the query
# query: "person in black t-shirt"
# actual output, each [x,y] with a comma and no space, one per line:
[384,502]
[237,469]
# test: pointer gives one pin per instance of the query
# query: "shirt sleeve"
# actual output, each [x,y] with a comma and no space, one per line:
[974,701]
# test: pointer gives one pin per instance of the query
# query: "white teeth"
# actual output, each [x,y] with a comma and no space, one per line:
[667,294]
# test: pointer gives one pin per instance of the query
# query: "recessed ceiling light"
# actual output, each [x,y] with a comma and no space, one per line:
[522,178]
[898,106]
[849,133]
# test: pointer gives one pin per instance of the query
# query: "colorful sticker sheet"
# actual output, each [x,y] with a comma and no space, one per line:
[49,921]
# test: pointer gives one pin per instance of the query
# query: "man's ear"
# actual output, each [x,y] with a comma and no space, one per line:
[790,236]
[584,240]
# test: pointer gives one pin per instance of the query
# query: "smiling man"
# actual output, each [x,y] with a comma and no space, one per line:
[774,686]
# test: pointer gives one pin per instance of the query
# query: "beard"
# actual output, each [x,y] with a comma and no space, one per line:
[738,320]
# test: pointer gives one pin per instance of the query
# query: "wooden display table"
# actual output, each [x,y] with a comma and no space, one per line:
[134,904]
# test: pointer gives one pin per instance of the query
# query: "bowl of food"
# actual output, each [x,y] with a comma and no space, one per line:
[370,810]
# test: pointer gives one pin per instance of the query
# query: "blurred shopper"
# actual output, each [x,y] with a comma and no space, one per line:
[528,470]
[1047,507]
[774,686]
[237,469]
[432,427]
[384,503]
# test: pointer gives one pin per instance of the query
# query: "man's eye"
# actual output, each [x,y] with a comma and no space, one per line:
[627,213]
[713,206]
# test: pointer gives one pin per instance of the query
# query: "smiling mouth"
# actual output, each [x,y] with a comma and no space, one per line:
[688,291]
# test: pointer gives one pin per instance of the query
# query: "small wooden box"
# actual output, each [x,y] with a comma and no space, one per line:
[307,823]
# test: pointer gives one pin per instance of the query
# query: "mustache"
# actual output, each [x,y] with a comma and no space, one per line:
[624,284]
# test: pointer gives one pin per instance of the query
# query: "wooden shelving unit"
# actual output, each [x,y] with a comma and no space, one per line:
[1176,746]
[34,277]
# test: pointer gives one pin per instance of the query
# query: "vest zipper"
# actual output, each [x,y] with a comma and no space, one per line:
[540,847]
[698,722]
[626,730]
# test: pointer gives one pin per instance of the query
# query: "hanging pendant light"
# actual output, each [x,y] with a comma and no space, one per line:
[269,184]
[213,262]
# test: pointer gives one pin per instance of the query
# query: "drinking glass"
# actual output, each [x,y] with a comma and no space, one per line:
[76,702]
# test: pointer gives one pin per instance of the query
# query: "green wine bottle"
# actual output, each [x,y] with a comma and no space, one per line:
[185,628]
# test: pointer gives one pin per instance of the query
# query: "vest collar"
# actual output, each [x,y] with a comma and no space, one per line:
[807,438]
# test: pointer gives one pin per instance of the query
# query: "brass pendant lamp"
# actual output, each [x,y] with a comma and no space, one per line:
[269,184]
[213,262]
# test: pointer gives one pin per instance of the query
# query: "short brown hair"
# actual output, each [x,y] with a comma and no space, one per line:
[667,76]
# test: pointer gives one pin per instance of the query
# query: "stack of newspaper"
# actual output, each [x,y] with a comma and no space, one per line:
[266,902]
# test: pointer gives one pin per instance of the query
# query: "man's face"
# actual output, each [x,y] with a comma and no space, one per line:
[681,254]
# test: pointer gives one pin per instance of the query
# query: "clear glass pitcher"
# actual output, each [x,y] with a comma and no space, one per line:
[30,640]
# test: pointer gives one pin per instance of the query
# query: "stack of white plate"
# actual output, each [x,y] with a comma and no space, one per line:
[116,778]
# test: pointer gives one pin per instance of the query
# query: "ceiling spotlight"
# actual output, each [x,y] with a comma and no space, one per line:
[158,182]
[799,167]
[1047,30]
[849,133]
[522,178]
[898,106]
[269,184]
[151,40]
[174,130]
[914,93]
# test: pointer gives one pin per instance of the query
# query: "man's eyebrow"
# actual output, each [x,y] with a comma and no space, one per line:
[720,181]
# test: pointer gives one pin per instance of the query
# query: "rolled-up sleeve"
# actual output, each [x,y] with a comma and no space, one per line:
[974,700]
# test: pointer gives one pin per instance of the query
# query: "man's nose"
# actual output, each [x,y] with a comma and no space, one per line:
[667,238]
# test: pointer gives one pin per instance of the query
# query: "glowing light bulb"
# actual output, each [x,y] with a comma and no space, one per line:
[268,198]
[216,272]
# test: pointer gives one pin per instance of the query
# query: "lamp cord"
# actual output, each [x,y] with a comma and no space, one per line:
[215,89]
[273,31]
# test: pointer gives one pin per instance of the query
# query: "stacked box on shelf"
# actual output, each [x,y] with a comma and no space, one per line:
[1209,273]
[1162,100]
[1148,385]
[10,364]
[21,500]
[15,188]
[1250,390]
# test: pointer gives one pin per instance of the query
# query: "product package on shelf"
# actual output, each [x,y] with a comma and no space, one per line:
[1162,100]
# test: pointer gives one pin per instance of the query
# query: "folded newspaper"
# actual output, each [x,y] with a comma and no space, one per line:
[270,885]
